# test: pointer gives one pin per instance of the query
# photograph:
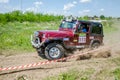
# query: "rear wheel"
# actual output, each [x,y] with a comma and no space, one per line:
[95,45]
[54,51]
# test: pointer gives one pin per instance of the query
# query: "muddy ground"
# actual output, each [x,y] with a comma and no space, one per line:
[97,62]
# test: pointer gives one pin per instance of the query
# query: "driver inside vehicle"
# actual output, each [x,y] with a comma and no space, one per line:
[84,29]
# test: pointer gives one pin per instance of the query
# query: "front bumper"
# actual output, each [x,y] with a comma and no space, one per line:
[35,41]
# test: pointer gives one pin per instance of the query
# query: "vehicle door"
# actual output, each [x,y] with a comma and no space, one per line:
[82,34]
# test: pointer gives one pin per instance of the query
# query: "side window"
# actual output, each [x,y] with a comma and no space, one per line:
[96,29]
[83,27]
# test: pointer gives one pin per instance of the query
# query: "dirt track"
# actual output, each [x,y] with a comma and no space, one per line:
[41,72]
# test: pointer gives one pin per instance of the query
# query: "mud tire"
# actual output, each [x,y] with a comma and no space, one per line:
[54,51]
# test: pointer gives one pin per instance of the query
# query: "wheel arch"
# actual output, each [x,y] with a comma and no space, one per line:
[95,41]
[59,41]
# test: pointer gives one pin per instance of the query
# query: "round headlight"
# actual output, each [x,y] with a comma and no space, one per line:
[36,33]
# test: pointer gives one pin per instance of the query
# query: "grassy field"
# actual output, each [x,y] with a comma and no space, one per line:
[108,26]
[15,36]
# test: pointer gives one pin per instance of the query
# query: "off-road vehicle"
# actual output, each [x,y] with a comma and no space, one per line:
[72,34]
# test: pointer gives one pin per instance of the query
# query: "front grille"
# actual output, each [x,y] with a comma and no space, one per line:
[36,40]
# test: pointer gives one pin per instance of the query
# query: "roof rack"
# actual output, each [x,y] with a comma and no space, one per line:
[70,18]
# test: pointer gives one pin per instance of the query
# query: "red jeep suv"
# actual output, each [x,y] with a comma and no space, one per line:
[72,34]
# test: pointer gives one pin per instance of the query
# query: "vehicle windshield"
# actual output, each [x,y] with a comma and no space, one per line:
[68,25]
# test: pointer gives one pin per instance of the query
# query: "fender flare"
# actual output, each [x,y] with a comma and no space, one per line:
[93,41]
[54,40]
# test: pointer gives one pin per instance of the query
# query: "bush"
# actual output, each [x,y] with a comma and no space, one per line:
[117,74]
[28,16]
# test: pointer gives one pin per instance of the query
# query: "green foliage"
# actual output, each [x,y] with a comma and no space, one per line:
[74,74]
[3,18]
[95,16]
[86,18]
[108,26]
[28,16]
[117,74]
[16,36]
[36,17]
[102,17]
[84,78]
[70,75]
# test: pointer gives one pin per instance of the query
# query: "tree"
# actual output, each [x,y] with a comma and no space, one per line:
[86,17]
[28,16]
[102,17]
[2,18]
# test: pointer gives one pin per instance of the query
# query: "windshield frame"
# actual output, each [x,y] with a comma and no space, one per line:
[67,25]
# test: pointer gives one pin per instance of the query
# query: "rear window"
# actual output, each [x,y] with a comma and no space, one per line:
[96,29]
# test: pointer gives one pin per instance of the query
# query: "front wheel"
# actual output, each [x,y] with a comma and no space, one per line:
[54,51]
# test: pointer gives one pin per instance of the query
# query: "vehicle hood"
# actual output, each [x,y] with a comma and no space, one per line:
[57,33]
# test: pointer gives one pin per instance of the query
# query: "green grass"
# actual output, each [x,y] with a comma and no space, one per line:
[116,73]
[70,75]
[16,36]
[108,27]
[73,74]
